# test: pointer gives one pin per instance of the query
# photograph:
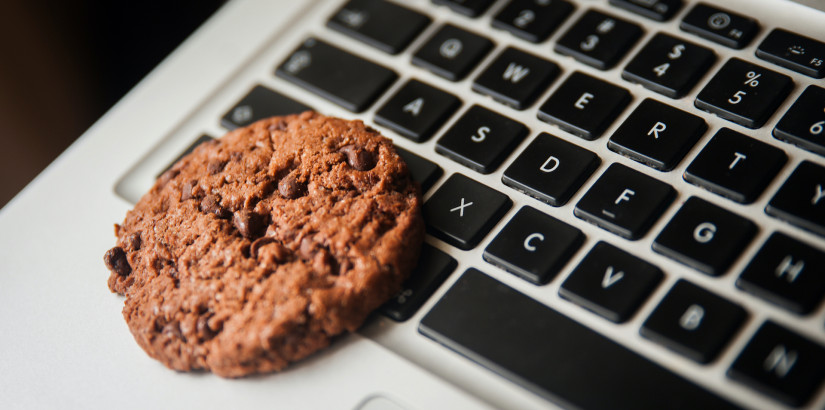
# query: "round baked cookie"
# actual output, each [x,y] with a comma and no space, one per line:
[256,249]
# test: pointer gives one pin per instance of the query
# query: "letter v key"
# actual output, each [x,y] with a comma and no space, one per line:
[610,278]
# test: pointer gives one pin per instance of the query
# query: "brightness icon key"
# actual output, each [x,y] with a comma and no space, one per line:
[793,51]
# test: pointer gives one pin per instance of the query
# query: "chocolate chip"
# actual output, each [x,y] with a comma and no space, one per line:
[203,329]
[211,204]
[249,224]
[215,166]
[358,158]
[117,262]
[307,249]
[186,190]
[290,187]
[172,330]
[133,241]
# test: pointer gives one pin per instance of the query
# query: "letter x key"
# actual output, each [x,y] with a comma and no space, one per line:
[462,211]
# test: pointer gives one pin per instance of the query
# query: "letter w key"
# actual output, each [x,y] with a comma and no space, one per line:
[514,72]
[516,78]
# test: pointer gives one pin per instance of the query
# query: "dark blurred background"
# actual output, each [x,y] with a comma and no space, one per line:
[63,63]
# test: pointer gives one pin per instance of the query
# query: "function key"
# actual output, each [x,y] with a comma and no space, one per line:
[669,66]
[801,199]
[260,103]
[804,123]
[470,8]
[611,282]
[417,110]
[599,39]
[516,78]
[735,166]
[551,169]
[532,20]
[423,171]
[793,51]
[481,139]
[434,266]
[744,93]
[452,52]
[659,10]
[720,26]
[330,72]
[657,135]
[705,237]
[625,202]
[782,364]
[786,272]
[584,106]
[534,246]
[462,211]
[694,322]
[381,24]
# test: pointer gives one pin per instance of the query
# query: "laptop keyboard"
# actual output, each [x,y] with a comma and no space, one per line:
[520,336]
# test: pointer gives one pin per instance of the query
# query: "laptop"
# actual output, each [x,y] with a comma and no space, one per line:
[625,206]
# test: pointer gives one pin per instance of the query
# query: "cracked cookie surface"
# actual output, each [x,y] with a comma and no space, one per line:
[256,249]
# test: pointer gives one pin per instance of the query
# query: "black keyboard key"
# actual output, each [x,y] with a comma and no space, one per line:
[551,355]
[516,78]
[669,66]
[417,110]
[625,202]
[735,166]
[532,20]
[721,26]
[534,246]
[551,169]
[330,72]
[694,322]
[793,51]
[203,138]
[801,199]
[599,39]
[611,282]
[584,106]
[452,52]
[462,211]
[744,93]
[786,272]
[659,10]
[434,266]
[781,363]
[705,237]
[481,139]
[381,24]
[657,135]
[260,103]
[471,8]
[804,123]
[423,171]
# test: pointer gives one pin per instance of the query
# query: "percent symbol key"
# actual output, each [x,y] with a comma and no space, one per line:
[744,93]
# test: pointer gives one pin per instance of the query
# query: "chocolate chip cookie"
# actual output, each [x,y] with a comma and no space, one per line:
[258,248]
